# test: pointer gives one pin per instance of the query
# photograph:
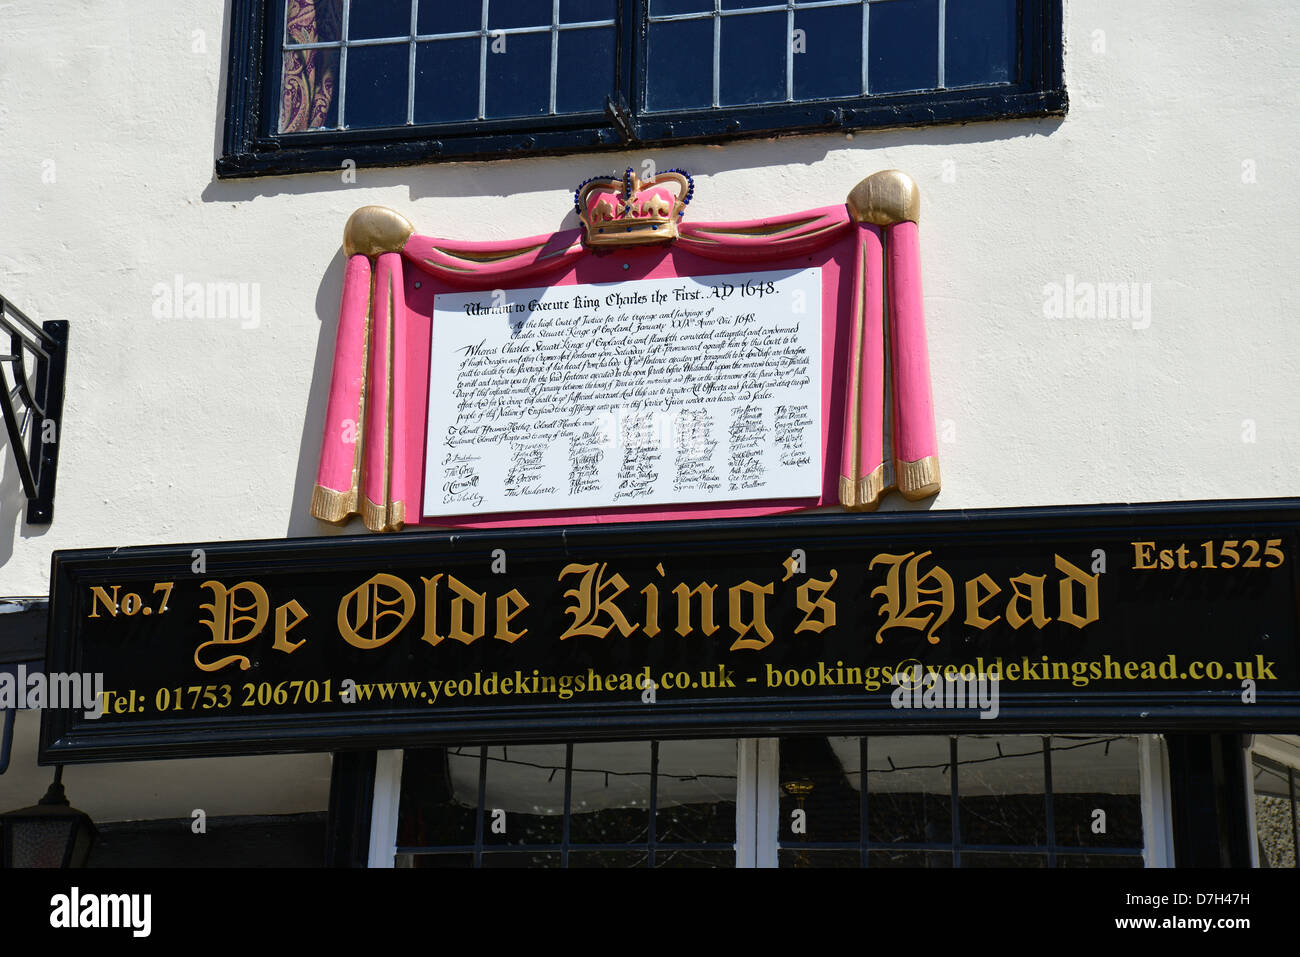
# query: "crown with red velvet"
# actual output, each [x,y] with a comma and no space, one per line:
[624,211]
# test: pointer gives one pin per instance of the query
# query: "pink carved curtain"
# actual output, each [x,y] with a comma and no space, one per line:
[373,440]
[310,76]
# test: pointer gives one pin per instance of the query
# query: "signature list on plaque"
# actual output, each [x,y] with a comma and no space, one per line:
[651,392]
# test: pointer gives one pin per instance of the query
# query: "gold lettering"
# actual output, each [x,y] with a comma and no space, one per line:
[901,614]
[1142,557]
[705,591]
[431,610]
[504,614]
[591,602]
[368,595]
[823,604]
[225,617]
[283,626]
[651,593]
[478,603]
[97,595]
[1091,598]
[757,622]
[1037,611]
[974,601]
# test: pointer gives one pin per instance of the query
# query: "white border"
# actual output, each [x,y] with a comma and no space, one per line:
[768,784]
[384,806]
[757,802]
[746,800]
[1157,816]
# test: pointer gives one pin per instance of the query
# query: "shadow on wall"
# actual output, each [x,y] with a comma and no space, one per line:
[328,295]
[522,175]
[13,504]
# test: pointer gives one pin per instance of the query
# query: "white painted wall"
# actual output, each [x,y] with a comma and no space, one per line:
[181,430]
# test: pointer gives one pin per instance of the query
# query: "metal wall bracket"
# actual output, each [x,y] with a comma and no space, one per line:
[32,403]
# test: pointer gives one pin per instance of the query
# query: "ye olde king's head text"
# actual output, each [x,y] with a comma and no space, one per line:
[913,594]
[867,624]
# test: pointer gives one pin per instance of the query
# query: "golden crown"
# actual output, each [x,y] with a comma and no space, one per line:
[626,211]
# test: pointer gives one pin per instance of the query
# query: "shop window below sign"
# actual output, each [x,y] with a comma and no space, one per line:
[880,801]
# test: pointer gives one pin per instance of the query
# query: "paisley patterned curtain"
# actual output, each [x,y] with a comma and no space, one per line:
[309,77]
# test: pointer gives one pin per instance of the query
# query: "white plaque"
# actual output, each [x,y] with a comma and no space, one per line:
[643,393]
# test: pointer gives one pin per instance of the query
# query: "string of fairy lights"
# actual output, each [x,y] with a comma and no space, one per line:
[478,753]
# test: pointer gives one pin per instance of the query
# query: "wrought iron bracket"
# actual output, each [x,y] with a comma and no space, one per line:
[32,376]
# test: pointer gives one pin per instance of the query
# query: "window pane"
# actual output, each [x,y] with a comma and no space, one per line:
[522,818]
[580,11]
[439,798]
[1096,774]
[831,61]
[664,8]
[1000,791]
[1273,825]
[442,16]
[586,70]
[610,800]
[379,18]
[1098,860]
[376,86]
[980,46]
[679,71]
[969,859]
[745,4]
[498,859]
[820,799]
[904,45]
[309,90]
[909,790]
[446,81]
[753,59]
[503,14]
[309,78]
[697,793]
[435,860]
[909,859]
[791,857]
[639,858]
[307,22]
[519,74]
[524,798]
[688,857]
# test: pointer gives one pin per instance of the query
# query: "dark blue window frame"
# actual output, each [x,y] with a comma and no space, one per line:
[253,147]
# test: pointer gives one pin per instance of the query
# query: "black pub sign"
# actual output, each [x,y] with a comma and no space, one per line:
[1136,618]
